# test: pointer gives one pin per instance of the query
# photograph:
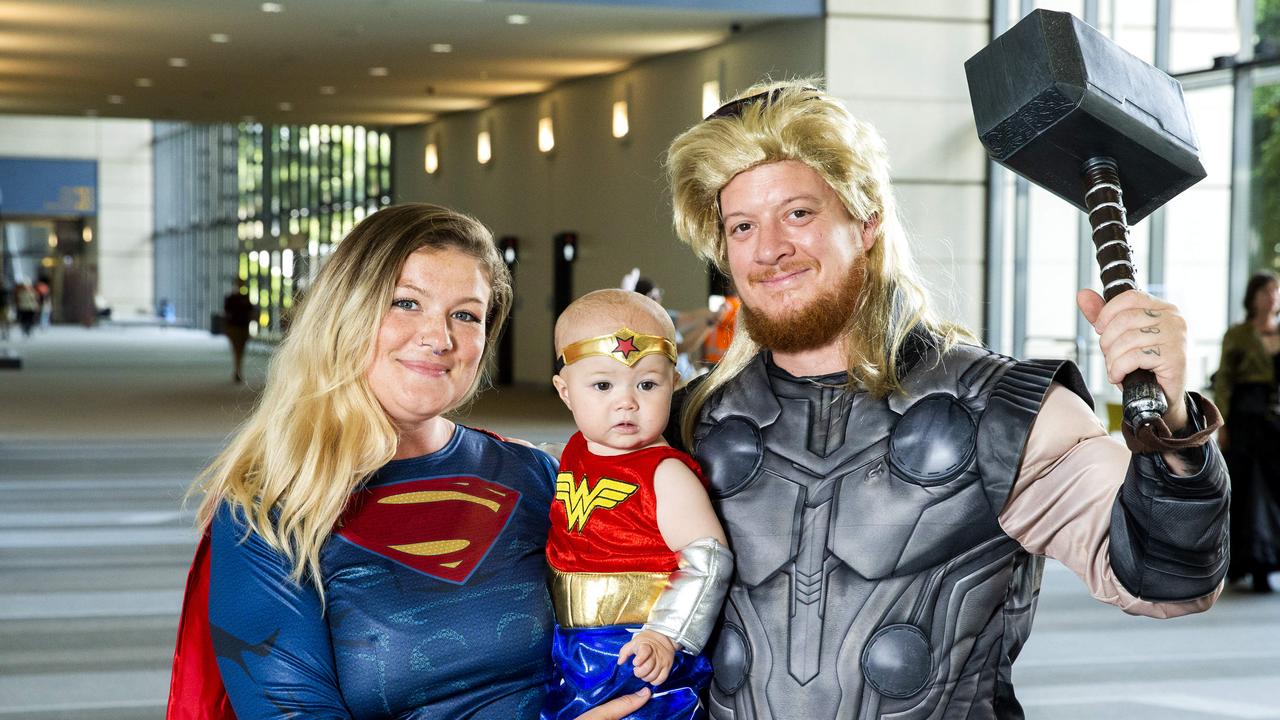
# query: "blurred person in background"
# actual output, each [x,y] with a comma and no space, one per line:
[5,295]
[27,303]
[237,314]
[1245,388]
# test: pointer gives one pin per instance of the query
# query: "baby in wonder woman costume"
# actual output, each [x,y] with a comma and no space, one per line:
[638,560]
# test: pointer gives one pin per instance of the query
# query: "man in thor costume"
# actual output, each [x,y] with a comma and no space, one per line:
[890,490]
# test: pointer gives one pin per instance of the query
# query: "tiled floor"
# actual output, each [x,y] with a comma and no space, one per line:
[103,430]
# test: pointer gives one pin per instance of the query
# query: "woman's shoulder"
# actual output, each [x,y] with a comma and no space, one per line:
[486,442]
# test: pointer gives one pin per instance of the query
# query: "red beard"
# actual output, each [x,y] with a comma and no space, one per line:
[812,326]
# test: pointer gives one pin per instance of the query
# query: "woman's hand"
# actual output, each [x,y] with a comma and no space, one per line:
[618,708]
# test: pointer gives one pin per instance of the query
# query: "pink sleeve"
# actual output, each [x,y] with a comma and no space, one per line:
[1060,503]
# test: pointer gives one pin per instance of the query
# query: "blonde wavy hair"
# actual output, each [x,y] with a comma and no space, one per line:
[318,432]
[794,120]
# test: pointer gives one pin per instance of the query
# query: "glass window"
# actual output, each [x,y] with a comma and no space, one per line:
[1201,31]
[1197,228]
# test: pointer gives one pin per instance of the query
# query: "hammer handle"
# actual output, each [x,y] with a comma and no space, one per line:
[1144,401]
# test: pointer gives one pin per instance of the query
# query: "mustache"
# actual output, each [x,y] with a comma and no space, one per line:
[785,268]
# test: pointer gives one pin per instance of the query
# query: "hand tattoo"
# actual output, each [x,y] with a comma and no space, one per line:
[1151,351]
[1150,330]
[1151,313]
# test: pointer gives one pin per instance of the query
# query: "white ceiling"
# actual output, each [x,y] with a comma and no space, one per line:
[111,58]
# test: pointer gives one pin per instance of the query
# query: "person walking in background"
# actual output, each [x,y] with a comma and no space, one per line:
[28,305]
[1245,389]
[237,312]
[4,311]
[44,301]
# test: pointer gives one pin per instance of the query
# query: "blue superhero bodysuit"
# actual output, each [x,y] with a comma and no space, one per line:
[436,602]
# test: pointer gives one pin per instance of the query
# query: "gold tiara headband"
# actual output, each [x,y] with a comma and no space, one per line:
[624,345]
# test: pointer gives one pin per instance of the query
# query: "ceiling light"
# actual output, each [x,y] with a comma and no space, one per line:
[87,234]
[142,82]
[328,90]
[379,72]
[431,159]
[441,47]
[484,148]
[272,7]
[115,99]
[517,19]
[621,123]
[220,38]
[285,106]
[177,62]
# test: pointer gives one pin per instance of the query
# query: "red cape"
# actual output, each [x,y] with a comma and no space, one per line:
[195,688]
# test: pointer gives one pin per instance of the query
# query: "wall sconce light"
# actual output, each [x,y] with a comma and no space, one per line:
[546,134]
[621,122]
[484,147]
[710,97]
[431,158]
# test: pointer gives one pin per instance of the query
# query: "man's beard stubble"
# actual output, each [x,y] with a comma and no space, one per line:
[812,326]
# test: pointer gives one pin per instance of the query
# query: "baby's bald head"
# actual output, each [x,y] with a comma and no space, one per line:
[603,312]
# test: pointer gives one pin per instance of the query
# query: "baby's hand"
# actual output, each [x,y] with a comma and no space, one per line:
[654,653]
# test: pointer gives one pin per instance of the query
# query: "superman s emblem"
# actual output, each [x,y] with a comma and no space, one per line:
[580,500]
[443,527]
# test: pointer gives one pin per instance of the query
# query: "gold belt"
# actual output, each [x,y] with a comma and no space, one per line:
[585,599]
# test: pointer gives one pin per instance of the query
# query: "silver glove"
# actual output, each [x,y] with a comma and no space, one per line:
[688,608]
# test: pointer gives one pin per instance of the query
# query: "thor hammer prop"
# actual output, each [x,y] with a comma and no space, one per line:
[1060,104]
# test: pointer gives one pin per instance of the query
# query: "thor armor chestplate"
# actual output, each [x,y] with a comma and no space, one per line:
[873,579]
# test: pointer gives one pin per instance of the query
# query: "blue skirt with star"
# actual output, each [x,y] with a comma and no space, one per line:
[586,674]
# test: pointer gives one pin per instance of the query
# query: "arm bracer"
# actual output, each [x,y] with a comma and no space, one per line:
[1169,532]
[688,608]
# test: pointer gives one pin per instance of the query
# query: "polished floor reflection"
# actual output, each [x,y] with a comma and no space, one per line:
[102,431]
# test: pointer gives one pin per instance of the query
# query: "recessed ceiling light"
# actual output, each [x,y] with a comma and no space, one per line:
[142,82]
[115,99]
[177,62]
[272,7]
[518,19]
[328,90]
[441,47]
[285,106]
[379,71]
[220,38]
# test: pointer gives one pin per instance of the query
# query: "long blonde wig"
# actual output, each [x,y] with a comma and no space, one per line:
[793,120]
[318,431]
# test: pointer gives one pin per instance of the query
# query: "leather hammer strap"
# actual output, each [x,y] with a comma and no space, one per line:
[1203,420]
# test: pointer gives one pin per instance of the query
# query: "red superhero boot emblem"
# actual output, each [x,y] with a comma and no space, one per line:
[442,527]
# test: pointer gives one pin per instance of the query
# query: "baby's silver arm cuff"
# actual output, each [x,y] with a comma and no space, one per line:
[688,608]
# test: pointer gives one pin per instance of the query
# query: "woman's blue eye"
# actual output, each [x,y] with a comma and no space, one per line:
[602,386]
[405,304]
[466,316]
